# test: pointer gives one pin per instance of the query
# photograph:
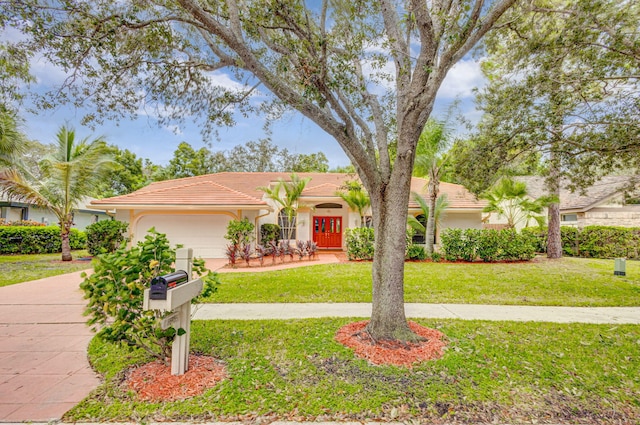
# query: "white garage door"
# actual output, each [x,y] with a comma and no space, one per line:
[203,233]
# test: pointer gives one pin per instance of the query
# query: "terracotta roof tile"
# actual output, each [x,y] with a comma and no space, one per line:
[231,189]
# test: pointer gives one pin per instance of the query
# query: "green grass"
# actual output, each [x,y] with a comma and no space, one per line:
[492,371]
[22,268]
[568,282]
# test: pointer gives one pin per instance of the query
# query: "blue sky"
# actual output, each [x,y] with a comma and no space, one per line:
[147,139]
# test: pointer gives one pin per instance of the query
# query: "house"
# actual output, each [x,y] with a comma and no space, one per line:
[11,210]
[608,202]
[195,211]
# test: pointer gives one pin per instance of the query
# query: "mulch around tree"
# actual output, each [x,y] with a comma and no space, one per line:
[154,381]
[392,352]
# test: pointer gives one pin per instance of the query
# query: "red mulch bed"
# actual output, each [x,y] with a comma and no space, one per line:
[392,352]
[154,381]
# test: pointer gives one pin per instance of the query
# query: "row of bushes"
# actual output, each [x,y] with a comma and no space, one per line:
[103,236]
[487,245]
[592,241]
[37,239]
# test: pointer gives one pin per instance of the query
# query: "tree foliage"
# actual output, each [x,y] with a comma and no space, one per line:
[356,197]
[366,72]
[510,199]
[70,175]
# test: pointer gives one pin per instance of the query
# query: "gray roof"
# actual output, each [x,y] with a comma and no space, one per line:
[603,190]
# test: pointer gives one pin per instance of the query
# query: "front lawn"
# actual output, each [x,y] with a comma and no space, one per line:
[22,268]
[492,372]
[567,282]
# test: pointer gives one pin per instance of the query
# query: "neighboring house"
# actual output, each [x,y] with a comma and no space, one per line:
[17,211]
[606,203]
[195,211]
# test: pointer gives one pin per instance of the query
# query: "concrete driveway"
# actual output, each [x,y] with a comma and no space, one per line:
[43,349]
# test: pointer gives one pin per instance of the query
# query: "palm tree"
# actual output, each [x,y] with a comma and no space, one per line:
[442,203]
[509,199]
[356,197]
[11,140]
[289,202]
[70,175]
[430,161]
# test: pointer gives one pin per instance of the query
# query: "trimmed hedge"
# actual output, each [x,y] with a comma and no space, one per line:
[487,244]
[37,240]
[593,241]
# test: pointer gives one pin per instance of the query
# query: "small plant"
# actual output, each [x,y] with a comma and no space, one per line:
[232,254]
[260,252]
[436,257]
[416,252]
[312,249]
[274,249]
[301,249]
[115,294]
[245,253]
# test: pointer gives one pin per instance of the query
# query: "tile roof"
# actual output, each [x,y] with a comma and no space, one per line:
[601,191]
[241,190]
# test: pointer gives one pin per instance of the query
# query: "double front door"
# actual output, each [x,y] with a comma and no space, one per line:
[327,232]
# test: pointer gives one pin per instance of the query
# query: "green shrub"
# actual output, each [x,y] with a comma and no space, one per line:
[360,242]
[593,241]
[515,246]
[105,236]
[115,294]
[37,239]
[416,252]
[459,244]
[269,232]
[488,244]
[239,232]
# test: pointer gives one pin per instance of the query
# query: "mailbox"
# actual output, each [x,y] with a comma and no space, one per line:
[160,284]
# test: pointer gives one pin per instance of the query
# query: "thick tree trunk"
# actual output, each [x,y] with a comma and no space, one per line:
[65,230]
[554,239]
[390,209]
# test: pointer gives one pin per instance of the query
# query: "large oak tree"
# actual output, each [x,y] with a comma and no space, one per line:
[366,72]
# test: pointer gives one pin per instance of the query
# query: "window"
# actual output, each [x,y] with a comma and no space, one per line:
[419,238]
[287,228]
[569,217]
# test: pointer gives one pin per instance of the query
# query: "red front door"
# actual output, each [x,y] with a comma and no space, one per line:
[327,232]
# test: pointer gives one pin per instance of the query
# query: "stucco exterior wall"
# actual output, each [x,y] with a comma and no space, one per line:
[628,216]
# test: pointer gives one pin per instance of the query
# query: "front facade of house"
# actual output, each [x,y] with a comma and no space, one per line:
[19,211]
[195,211]
[605,203]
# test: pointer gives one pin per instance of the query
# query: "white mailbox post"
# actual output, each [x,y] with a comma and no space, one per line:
[178,301]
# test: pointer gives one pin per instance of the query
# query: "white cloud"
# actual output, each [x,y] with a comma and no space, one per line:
[463,77]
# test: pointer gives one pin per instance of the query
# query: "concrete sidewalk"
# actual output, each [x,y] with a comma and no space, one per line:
[613,315]
[43,349]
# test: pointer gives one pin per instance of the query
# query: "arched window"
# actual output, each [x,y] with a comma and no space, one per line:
[287,227]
